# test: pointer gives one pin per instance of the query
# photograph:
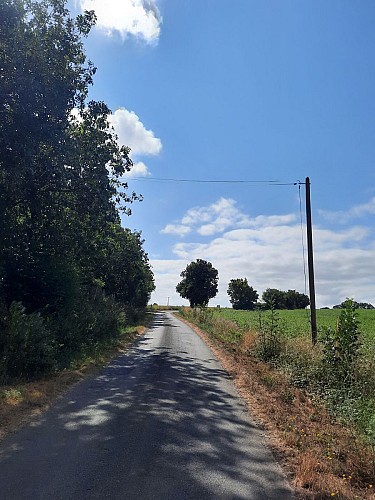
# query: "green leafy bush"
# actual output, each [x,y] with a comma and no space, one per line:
[270,340]
[27,345]
[341,347]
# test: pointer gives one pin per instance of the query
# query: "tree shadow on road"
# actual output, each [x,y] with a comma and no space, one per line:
[154,424]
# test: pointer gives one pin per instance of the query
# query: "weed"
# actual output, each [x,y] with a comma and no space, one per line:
[270,339]
[341,347]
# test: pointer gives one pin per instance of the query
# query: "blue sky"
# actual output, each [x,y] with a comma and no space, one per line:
[250,90]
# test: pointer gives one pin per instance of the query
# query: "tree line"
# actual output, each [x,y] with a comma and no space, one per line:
[199,284]
[69,272]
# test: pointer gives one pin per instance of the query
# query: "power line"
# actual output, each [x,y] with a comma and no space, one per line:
[212,181]
[302,238]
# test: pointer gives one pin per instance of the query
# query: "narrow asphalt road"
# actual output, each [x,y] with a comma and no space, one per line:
[161,422]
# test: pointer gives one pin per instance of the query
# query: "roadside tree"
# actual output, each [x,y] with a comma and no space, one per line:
[199,283]
[242,295]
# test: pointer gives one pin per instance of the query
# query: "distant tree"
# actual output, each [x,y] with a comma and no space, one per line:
[274,298]
[285,300]
[365,305]
[242,295]
[355,305]
[199,283]
[296,300]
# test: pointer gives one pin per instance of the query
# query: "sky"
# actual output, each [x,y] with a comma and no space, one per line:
[266,92]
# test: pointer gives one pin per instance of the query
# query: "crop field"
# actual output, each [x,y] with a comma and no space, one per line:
[297,322]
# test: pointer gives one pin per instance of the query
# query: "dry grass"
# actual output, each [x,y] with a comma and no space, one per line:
[321,458]
[22,401]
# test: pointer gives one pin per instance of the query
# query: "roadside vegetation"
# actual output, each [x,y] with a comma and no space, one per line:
[23,399]
[71,277]
[318,402]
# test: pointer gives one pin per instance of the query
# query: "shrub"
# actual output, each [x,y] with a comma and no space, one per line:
[270,336]
[341,347]
[27,345]
[93,320]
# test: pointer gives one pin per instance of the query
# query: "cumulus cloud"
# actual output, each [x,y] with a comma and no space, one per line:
[137,18]
[267,250]
[131,132]
[221,216]
[212,219]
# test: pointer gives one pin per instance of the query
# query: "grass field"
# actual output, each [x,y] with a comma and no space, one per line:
[297,323]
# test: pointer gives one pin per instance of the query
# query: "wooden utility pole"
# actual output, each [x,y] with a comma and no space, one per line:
[310,260]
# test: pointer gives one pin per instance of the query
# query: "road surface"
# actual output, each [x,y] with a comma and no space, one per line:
[162,422]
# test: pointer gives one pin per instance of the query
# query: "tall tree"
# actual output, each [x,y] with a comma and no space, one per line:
[65,261]
[242,295]
[44,76]
[127,274]
[58,200]
[199,283]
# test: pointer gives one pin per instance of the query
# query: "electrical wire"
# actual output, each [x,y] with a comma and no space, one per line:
[302,238]
[211,181]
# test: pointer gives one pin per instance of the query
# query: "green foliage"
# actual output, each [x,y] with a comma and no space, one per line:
[270,338]
[338,369]
[284,300]
[356,305]
[341,346]
[242,295]
[126,272]
[64,257]
[199,283]
[227,332]
[94,319]
[27,346]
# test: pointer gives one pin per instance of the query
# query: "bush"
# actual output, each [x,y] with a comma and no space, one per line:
[341,347]
[271,339]
[27,345]
[94,319]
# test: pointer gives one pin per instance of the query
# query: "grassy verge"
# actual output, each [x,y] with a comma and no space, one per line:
[22,399]
[325,457]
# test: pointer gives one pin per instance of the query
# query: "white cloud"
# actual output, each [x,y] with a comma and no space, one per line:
[343,217]
[131,132]
[139,169]
[167,275]
[137,18]
[268,251]
[178,229]
[223,215]
[214,218]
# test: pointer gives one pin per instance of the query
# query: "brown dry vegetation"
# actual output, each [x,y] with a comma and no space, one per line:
[321,458]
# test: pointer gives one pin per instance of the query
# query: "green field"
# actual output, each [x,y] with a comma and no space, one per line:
[297,322]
